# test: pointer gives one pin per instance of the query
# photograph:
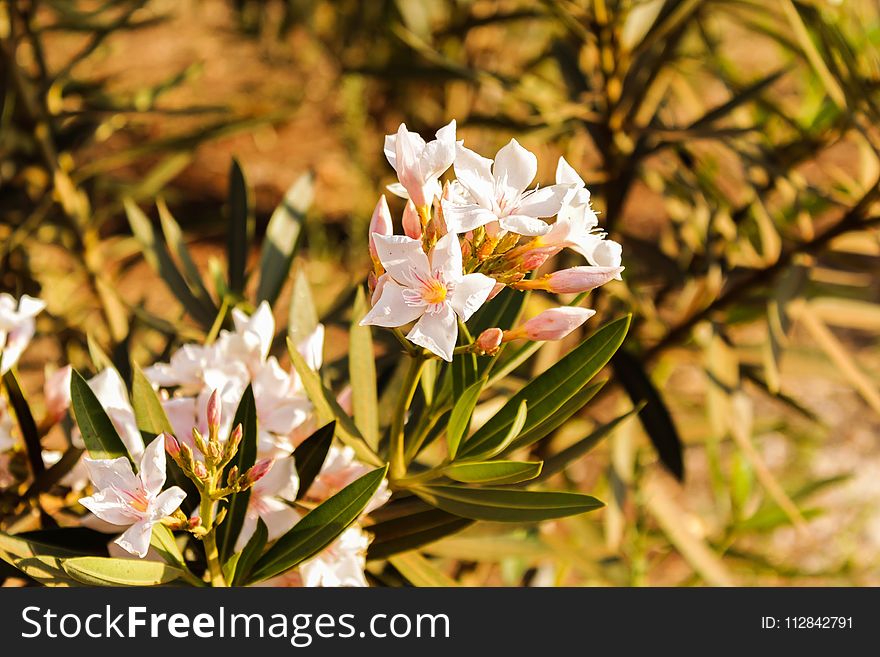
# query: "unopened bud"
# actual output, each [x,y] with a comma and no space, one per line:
[489,341]
[380,223]
[171,445]
[215,407]
[412,225]
[232,476]
[553,324]
[234,441]
[199,470]
[199,440]
[579,279]
[186,455]
[195,521]
[259,470]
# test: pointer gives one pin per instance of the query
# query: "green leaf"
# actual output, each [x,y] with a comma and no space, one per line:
[419,571]
[493,472]
[319,527]
[251,552]
[327,408]
[559,461]
[506,504]
[162,540]
[26,423]
[246,416]
[98,432]
[559,417]
[550,391]
[655,417]
[302,318]
[513,430]
[424,525]
[174,238]
[241,228]
[104,571]
[310,456]
[282,234]
[16,547]
[460,418]
[159,259]
[45,570]
[362,374]
[464,366]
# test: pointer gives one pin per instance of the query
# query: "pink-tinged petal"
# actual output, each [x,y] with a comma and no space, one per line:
[463,218]
[606,253]
[278,516]
[312,348]
[446,257]
[168,502]
[401,255]
[281,480]
[248,527]
[136,539]
[436,332]
[380,223]
[17,341]
[181,413]
[56,390]
[556,323]
[543,202]
[260,325]
[390,147]
[380,285]
[566,175]
[408,151]
[109,506]
[439,153]
[524,225]
[398,190]
[152,470]
[515,169]
[392,309]
[474,173]
[112,473]
[470,293]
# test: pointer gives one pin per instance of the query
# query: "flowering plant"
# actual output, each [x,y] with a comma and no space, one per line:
[222,466]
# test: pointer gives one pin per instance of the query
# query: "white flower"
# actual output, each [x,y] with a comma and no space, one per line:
[419,165]
[342,563]
[430,288]
[17,327]
[339,470]
[268,500]
[125,498]
[281,407]
[110,391]
[576,226]
[498,192]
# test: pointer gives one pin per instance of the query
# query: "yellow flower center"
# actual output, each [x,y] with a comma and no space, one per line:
[434,292]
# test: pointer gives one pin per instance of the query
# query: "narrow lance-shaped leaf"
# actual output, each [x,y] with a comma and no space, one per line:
[250,553]
[26,423]
[319,527]
[303,317]
[460,418]
[493,472]
[240,228]
[282,233]
[327,408]
[310,455]
[95,426]
[419,571]
[362,374]
[246,415]
[103,571]
[506,504]
[174,238]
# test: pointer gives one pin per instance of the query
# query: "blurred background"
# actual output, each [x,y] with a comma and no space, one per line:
[731,146]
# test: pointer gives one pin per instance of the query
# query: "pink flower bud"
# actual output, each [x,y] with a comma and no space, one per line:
[495,290]
[537,257]
[554,324]
[380,223]
[171,445]
[579,279]
[489,340]
[236,434]
[412,225]
[259,470]
[214,410]
[199,470]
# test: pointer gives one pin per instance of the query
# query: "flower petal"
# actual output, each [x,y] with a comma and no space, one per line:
[565,174]
[167,502]
[515,169]
[391,309]
[463,218]
[524,225]
[109,506]
[112,473]
[446,257]
[543,202]
[136,539]
[152,470]
[439,153]
[400,255]
[470,293]
[281,480]
[278,516]
[391,146]
[606,253]
[474,173]
[436,332]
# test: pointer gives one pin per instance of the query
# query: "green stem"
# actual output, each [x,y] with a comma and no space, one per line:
[397,456]
[210,541]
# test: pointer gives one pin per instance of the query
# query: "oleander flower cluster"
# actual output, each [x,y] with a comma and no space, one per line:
[465,241]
